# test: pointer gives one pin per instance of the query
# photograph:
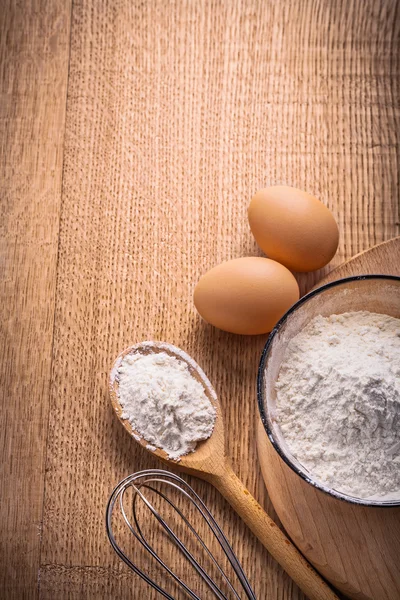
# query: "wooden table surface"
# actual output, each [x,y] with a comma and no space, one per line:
[133,135]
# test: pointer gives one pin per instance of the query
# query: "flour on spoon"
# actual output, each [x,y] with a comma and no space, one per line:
[164,403]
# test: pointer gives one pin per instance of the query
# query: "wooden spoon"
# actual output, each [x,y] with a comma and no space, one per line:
[209,462]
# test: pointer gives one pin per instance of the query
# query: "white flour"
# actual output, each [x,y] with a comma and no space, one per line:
[338,402]
[164,403]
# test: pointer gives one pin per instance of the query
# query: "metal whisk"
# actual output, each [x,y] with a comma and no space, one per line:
[137,484]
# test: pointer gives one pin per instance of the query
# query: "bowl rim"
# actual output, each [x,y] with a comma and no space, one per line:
[264,413]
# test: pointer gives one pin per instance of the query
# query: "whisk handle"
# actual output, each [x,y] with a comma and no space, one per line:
[272,538]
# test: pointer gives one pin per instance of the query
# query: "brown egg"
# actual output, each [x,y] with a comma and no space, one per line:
[293,227]
[246,295]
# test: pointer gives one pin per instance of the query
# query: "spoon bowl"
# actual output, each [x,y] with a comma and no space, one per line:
[209,455]
[209,462]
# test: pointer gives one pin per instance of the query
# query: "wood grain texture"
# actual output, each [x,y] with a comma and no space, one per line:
[34,49]
[177,113]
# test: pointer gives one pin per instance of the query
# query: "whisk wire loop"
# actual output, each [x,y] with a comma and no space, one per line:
[194,532]
[149,548]
[179,544]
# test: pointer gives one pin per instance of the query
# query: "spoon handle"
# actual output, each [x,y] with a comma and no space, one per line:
[272,538]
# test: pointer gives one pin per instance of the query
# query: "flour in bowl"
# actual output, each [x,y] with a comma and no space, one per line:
[164,403]
[338,402]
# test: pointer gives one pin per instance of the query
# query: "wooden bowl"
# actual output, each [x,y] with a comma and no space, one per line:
[354,543]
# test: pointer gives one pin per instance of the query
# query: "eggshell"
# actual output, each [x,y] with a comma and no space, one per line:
[246,295]
[293,227]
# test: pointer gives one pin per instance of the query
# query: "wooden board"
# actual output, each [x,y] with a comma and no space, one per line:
[34,50]
[177,113]
[383,258]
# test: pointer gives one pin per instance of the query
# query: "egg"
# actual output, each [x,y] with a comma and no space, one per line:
[246,295]
[293,227]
